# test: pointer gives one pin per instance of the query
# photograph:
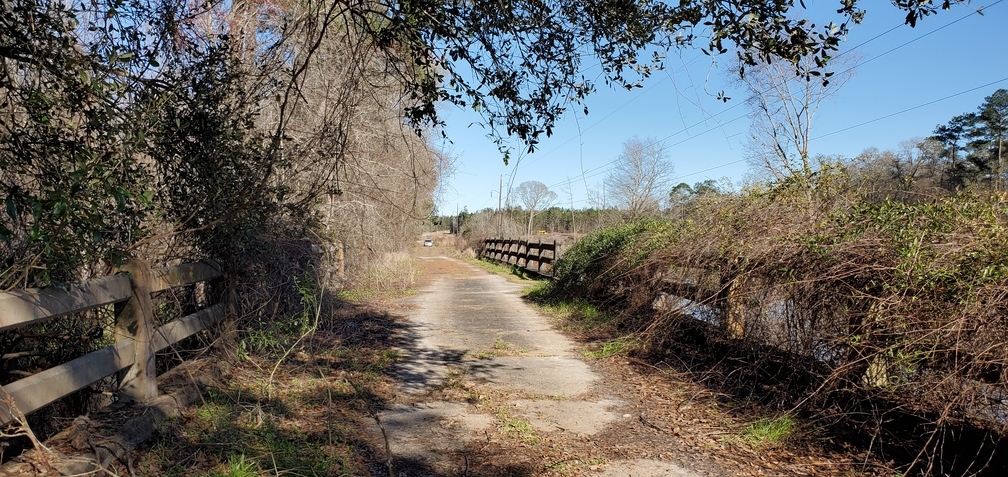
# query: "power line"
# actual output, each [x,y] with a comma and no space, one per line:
[876,37]
[586,175]
[648,89]
[936,30]
[596,123]
[848,128]
[599,170]
[607,116]
[605,167]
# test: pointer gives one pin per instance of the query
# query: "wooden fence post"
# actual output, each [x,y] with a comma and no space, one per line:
[537,257]
[556,255]
[134,321]
[735,304]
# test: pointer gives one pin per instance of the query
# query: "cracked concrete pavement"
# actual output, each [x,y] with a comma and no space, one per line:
[475,324]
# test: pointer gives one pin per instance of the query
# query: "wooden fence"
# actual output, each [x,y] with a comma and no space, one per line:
[536,257]
[136,339]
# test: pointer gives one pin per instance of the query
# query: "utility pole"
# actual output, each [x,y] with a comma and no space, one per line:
[500,217]
[573,223]
[570,195]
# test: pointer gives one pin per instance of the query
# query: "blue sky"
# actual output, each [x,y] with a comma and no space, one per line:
[909,80]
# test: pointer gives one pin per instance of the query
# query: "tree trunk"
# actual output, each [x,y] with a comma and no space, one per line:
[1000,170]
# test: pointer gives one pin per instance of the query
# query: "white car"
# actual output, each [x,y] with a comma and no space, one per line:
[428,243]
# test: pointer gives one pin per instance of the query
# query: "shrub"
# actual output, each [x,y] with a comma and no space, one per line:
[898,302]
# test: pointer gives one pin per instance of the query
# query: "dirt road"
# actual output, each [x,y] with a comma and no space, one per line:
[488,387]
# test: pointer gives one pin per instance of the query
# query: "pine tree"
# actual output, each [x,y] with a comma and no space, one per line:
[950,136]
[992,117]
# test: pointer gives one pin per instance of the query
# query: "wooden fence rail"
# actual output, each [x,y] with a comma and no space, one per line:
[137,341]
[537,257]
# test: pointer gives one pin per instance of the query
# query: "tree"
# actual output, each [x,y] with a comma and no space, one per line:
[993,116]
[684,197]
[128,130]
[711,187]
[949,136]
[535,196]
[911,172]
[642,177]
[915,164]
[519,63]
[984,133]
[784,98]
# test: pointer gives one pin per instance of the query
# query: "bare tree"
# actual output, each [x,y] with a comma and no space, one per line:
[642,177]
[911,172]
[784,98]
[534,195]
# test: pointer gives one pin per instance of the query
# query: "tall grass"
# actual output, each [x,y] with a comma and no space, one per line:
[391,273]
[852,297]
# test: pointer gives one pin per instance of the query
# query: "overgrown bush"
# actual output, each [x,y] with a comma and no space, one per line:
[264,137]
[888,301]
[599,265]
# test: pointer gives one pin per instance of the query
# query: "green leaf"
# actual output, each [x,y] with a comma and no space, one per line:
[59,208]
[12,208]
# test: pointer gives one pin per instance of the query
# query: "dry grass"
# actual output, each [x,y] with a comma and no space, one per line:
[881,313]
[312,418]
[392,272]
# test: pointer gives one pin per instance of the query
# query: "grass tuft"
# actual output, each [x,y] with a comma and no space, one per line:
[517,428]
[498,349]
[619,346]
[237,466]
[768,431]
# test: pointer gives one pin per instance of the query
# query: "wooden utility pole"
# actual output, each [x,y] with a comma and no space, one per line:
[500,216]
[573,223]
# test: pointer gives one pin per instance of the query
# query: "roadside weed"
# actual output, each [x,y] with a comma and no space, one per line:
[768,431]
[237,466]
[573,315]
[516,428]
[498,349]
[618,346]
